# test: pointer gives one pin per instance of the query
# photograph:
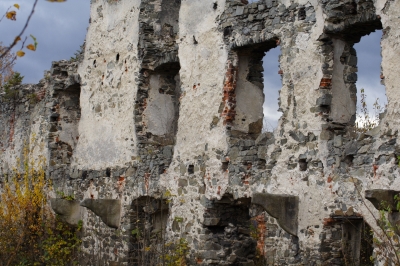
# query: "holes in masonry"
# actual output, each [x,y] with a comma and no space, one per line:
[94,63]
[117,57]
[349,160]
[191,169]
[370,83]
[224,166]
[215,5]
[108,172]
[84,174]
[303,164]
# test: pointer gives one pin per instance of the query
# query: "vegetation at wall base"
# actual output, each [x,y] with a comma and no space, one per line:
[30,234]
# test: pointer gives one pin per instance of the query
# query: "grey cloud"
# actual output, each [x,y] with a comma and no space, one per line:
[60,29]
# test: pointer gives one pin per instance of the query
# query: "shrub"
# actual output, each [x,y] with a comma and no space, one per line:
[30,234]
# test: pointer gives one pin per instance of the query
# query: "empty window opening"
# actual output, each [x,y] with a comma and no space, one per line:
[64,124]
[117,57]
[257,89]
[347,240]
[371,93]
[162,111]
[149,218]
[272,86]
[228,226]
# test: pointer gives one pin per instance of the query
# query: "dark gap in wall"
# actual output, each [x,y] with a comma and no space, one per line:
[303,164]
[227,223]
[224,166]
[349,160]
[117,58]
[148,222]
[349,243]
[191,169]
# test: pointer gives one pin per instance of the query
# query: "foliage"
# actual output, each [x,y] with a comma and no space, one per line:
[9,90]
[61,243]
[366,121]
[64,196]
[30,234]
[149,240]
[78,55]
[176,253]
[386,237]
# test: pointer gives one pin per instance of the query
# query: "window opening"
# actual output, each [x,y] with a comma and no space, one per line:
[162,110]
[370,89]
[257,89]
[272,86]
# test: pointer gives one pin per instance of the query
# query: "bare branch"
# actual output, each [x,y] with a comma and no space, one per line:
[8,49]
[5,14]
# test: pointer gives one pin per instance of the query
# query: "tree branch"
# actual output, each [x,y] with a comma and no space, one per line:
[8,49]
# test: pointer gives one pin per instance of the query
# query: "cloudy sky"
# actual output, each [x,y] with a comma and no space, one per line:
[60,29]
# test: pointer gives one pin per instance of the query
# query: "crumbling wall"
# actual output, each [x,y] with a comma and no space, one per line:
[167,105]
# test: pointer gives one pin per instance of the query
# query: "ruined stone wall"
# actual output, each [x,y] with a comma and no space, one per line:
[159,128]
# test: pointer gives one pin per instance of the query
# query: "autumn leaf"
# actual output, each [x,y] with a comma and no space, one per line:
[20,53]
[17,39]
[31,47]
[11,15]
[16,5]
[35,43]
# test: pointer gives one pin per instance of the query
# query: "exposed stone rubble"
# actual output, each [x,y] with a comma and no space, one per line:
[158,129]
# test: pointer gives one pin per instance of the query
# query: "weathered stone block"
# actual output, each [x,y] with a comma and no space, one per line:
[284,208]
[69,210]
[109,210]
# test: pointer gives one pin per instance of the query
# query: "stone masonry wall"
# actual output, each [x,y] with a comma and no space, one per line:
[158,128]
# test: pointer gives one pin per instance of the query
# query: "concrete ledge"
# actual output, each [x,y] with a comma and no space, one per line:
[382,198]
[109,210]
[69,210]
[284,208]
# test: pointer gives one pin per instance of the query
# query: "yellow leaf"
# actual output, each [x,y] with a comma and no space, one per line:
[16,5]
[20,53]
[31,47]
[11,15]
[17,39]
